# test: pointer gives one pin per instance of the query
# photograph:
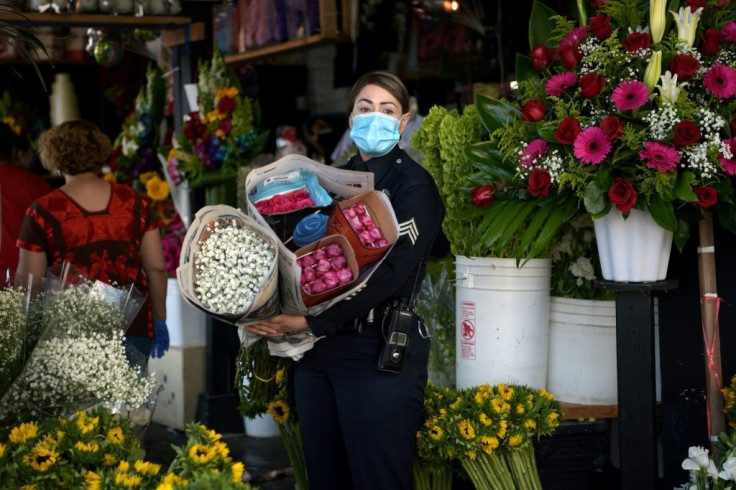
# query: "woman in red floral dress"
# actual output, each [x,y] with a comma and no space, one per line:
[106,230]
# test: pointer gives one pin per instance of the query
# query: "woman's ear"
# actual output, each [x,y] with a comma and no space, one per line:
[350,121]
[405,118]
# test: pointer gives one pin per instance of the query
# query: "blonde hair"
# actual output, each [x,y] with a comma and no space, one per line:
[74,147]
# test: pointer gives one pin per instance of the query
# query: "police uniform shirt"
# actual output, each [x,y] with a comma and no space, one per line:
[419,212]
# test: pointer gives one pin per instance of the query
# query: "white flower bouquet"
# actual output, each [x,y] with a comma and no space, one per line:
[80,359]
[228,266]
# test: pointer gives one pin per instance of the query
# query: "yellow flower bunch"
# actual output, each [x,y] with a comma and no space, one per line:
[488,429]
[729,402]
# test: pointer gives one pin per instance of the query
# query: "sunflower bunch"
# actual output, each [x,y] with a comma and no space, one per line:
[482,427]
[62,452]
[204,457]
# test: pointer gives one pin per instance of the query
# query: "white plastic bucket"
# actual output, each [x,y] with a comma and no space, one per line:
[636,249]
[261,426]
[502,321]
[582,351]
[186,324]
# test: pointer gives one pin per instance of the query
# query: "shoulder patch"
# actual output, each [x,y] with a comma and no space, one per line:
[409,229]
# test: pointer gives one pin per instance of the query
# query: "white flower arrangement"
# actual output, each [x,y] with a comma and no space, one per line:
[230,266]
[80,360]
[12,334]
[704,474]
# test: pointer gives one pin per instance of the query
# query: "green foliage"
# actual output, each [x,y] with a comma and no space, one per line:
[628,12]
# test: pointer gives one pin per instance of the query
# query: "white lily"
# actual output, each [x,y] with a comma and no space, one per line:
[129,147]
[687,24]
[657,17]
[653,71]
[669,90]
[729,469]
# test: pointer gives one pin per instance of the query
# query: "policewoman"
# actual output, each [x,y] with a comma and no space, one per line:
[359,422]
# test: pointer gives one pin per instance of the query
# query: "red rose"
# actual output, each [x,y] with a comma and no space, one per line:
[591,85]
[569,56]
[534,110]
[482,196]
[636,41]
[696,4]
[711,42]
[596,4]
[541,57]
[684,67]
[613,127]
[686,134]
[226,105]
[622,194]
[539,183]
[567,131]
[600,26]
[707,196]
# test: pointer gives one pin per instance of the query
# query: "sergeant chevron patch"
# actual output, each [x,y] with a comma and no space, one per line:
[409,228]
[352,295]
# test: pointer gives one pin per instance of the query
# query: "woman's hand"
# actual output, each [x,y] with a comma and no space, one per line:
[279,325]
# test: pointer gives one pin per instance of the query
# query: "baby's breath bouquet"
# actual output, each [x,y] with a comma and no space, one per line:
[490,430]
[80,359]
[16,334]
[633,108]
[219,138]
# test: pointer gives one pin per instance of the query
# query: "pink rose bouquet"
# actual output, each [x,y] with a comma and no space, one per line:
[635,108]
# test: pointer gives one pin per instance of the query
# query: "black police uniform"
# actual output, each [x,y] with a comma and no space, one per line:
[359,424]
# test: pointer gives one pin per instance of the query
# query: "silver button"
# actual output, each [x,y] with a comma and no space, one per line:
[398,160]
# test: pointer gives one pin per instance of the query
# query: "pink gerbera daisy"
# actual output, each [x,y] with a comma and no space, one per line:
[532,152]
[575,36]
[660,156]
[630,95]
[560,83]
[720,80]
[729,164]
[591,145]
[728,33]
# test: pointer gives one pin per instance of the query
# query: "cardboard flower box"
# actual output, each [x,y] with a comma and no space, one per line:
[378,208]
[313,299]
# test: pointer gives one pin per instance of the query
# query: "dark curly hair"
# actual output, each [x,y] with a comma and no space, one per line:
[74,147]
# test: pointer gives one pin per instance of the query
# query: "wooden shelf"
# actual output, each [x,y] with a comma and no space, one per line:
[573,411]
[31,19]
[291,46]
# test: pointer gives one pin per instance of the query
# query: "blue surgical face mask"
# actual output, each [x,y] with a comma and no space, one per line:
[375,134]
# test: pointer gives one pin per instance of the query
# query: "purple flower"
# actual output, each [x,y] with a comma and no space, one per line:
[591,145]
[560,83]
[630,95]
[729,164]
[661,156]
[574,37]
[173,170]
[728,33]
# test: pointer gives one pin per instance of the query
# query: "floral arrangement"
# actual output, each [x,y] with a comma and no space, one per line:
[80,359]
[134,161]
[633,109]
[575,263]
[219,138]
[704,473]
[489,430]
[230,266]
[97,449]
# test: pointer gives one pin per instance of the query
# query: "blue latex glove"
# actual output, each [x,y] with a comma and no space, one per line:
[160,338]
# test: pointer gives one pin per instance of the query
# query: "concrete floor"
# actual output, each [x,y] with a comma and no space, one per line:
[266,462]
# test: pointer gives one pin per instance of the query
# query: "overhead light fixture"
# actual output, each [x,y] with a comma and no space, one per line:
[453,6]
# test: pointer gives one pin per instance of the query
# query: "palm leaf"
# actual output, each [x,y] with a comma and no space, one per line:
[495,113]
[23,40]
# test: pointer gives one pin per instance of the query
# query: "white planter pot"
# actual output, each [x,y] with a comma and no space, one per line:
[261,426]
[502,321]
[633,250]
[186,324]
[582,351]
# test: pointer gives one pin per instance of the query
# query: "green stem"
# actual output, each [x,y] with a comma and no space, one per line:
[420,476]
[479,482]
[532,459]
[501,469]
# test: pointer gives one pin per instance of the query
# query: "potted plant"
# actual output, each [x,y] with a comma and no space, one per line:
[502,290]
[629,115]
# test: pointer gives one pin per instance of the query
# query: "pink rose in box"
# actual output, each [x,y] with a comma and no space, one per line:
[323,269]
[363,225]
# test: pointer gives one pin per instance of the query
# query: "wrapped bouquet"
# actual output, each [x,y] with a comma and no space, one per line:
[80,359]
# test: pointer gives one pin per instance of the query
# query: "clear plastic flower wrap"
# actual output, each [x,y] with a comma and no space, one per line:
[80,358]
